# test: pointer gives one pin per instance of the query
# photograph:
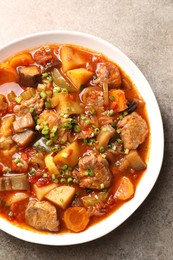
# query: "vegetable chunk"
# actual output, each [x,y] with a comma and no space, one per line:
[71,58]
[79,77]
[61,196]
[70,155]
[42,191]
[125,190]
[76,219]
[50,165]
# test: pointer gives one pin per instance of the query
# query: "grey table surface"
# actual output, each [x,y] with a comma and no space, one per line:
[142,29]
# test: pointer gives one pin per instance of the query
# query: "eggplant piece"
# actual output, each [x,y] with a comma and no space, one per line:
[14,182]
[132,160]
[23,122]
[24,138]
[30,76]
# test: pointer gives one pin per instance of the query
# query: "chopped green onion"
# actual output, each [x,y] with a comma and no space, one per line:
[45,131]
[67,125]
[16,160]
[31,110]
[64,167]
[45,175]
[82,117]
[126,151]
[50,78]
[119,140]
[96,131]
[56,148]
[19,164]
[56,90]
[47,104]
[69,168]
[121,117]
[104,129]
[87,122]
[63,180]
[86,173]
[102,186]
[114,147]
[19,100]
[70,179]
[43,94]
[54,129]
[103,156]
[102,149]
[44,75]
[64,90]
[118,131]
[49,142]
[56,181]
[53,176]
[69,108]
[85,141]
[111,112]
[77,128]
[37,127]
[112,98]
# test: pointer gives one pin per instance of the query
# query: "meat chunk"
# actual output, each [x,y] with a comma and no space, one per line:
[24,138]
[93,100]
[23,123]
[42,215]
[110,73]
[35,102]
[93,172]
[133,130]
[14,182]
[54,120]
[30,76]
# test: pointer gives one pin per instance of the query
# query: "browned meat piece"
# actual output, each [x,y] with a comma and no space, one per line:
[35,102]
[42,215]
[93,172]
[14,182]
[133,129]
[93,100]
[110,73]
[53,119]
[30,76]
[23,123]
[6,142]
[24,138]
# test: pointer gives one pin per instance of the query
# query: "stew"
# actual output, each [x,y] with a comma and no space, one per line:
[74,138]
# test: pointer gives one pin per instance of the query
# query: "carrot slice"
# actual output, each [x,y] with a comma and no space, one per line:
[21,60]
[7,74]
[125,189]
[76,218]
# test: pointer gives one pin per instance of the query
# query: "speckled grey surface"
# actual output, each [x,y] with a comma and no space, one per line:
[143,29]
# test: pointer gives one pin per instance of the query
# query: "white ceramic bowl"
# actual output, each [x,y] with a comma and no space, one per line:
[157,140]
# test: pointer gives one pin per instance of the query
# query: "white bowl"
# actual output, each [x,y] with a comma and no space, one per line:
[156,127]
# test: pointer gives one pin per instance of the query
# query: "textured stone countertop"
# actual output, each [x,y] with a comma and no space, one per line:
[143,30]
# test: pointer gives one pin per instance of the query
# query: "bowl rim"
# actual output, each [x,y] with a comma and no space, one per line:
[126,210]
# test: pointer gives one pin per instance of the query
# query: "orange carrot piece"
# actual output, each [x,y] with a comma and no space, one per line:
[21,60]
[118,97]
[76,218]
[125,189]
[7,74]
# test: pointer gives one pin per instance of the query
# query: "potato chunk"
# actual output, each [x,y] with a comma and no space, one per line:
[42,191]
[64,104]
[71,58]
[61,196]
[50,165]
[78,77]
[70,155]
